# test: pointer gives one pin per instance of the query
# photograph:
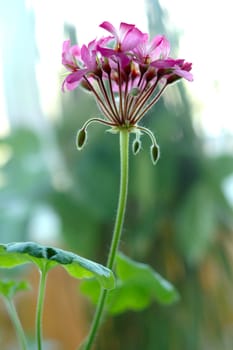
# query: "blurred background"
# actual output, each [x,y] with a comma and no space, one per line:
[179,215]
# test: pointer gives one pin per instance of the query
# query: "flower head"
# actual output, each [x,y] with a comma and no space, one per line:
[126,72]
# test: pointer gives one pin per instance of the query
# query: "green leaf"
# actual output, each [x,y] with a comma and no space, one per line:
[138,285]
[91,289]
[9,288]
[14,254]
[144,276]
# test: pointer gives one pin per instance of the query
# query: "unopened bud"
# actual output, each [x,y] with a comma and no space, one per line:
[155,153]
[106,66]
[150,74]
[85,85]
[134,92]
[136,146]
[81,138]
[173,78]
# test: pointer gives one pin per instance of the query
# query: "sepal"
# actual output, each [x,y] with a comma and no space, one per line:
[155,153]
[81,138]
[136,146]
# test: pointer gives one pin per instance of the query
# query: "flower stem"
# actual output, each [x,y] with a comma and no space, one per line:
[39,309]
[17,324]
[124,156]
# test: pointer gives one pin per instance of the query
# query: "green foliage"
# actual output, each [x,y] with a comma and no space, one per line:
[9,288]
[138,285]
[178,217]
[15,254]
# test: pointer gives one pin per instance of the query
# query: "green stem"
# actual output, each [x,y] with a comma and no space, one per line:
[17,324]
[39,309]
[124,156]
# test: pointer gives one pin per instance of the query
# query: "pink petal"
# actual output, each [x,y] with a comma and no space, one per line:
[160,47]
[106,52]
[85,55]
[69,86]
[167,63]
[132,39]
[65,52]
[184,74]
[103,41]
[76,76]
[184,71]
[109,27]
[75,50]
[66,46]
[124,29]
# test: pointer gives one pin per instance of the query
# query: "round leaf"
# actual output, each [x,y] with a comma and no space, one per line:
[14,254]
[9,288]
[138,285]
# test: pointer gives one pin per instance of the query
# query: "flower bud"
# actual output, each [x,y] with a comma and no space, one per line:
[172,78]
[134,92]
[136,146]
[155,153]
[85,85]
[81,138]
[150,74]
[106,66]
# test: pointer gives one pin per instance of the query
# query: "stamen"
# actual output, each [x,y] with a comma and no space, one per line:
[141,100]
[107,113]
[149,106]
[106,97]
[120,92]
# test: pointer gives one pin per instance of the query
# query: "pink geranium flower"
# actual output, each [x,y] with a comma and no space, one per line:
[181,70]
[71,56]
[149,51]
[126,72]
[126,38]
[80,61]
[174,67]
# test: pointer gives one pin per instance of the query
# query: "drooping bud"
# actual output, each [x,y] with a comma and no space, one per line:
[81,138]
[155,153]
[136,146]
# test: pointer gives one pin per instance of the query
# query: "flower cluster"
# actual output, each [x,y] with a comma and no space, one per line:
[125,71]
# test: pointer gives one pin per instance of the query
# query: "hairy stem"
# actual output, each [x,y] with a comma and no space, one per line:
[124,156]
